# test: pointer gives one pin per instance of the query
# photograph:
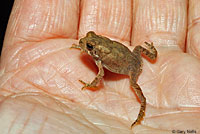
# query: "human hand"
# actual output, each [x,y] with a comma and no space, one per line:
[40,91]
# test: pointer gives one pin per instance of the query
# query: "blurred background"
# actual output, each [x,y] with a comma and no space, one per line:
[6,6]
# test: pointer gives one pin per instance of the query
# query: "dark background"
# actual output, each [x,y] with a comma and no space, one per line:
[6,6]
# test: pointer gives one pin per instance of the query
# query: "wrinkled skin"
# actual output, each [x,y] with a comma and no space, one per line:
[39,73]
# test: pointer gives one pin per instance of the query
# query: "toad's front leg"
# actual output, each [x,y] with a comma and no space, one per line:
[96,79]
[138,91]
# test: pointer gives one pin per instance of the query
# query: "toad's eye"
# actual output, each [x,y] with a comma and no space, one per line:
[89,46]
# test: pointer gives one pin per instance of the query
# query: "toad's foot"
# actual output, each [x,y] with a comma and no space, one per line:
[75,46]
[138,120]
[87,85]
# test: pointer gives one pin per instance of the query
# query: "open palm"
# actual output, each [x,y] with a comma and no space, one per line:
[39,87]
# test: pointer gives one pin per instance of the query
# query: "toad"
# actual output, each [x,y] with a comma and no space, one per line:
[117,58]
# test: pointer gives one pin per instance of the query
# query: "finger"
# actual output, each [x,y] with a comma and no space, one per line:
[37,20]
[193,36]
[111,18]
[162,22]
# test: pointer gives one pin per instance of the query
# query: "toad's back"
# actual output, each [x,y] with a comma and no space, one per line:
[120,59]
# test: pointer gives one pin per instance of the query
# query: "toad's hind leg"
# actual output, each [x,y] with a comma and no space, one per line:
[151,53]
[138,91]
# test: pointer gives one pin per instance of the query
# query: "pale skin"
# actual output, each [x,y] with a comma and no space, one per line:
[39,73]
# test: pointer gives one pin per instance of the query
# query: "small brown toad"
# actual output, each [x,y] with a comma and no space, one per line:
[117,58]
